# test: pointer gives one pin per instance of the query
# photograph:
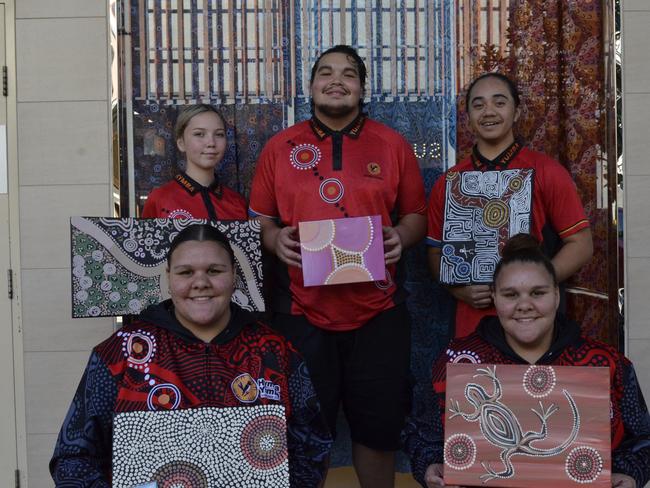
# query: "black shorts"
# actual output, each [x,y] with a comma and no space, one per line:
[367,370]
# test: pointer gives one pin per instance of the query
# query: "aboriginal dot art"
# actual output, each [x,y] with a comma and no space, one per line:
[202,448]
[118,264]
[336,251]
[482,211]
[533,426]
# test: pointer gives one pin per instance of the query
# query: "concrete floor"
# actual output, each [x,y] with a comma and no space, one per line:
[346,478]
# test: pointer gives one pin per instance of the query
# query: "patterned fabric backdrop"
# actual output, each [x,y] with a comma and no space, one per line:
[556,56]
[554,50]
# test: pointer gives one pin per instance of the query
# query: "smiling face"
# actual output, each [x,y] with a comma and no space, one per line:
[201,282]
[526,300]
[492,113]
[204,145]
[336,90]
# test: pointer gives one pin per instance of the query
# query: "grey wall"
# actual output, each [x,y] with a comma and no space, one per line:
[636,120]
[64,160]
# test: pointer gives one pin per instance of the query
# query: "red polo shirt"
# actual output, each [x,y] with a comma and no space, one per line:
[308,172]
[184,198]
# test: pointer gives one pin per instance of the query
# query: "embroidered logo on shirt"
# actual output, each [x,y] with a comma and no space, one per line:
[451,175]
[268,389]
[185,183]
[373,169]
[245,388]
[305,156]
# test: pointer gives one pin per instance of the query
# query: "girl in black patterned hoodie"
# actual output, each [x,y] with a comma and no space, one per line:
[527,330]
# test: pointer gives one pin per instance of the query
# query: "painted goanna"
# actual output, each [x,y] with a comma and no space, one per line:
[500,426]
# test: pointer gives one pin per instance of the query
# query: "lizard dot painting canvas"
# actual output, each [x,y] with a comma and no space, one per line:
[527,426]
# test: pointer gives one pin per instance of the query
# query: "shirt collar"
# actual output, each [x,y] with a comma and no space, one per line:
[502,161]
[192,187]
[352,130]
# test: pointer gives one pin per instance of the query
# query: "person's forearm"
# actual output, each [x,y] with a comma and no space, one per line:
[411,229]
[576,251]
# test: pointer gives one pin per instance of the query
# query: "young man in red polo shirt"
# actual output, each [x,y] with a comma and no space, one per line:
[355,337]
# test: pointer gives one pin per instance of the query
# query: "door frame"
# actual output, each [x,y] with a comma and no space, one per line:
[14,244]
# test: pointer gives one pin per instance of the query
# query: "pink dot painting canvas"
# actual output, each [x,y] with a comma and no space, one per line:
[336,251]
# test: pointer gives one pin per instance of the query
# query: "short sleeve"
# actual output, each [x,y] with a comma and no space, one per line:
[435,212]
[562,203]
[150,210]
